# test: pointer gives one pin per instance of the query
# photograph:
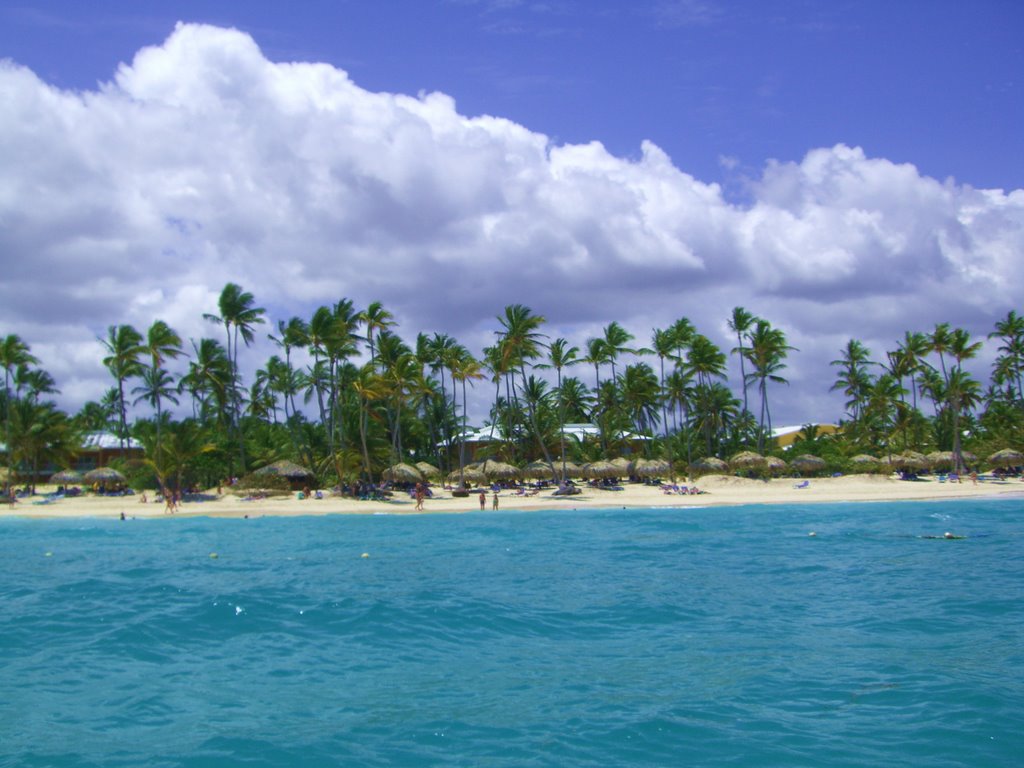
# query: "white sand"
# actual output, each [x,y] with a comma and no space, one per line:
[720,490]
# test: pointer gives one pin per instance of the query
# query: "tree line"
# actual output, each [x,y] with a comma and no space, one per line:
[346,396]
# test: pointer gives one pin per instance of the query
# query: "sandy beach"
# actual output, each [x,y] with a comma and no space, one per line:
[719,490]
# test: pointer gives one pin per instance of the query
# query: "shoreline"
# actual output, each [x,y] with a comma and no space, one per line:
[719,491]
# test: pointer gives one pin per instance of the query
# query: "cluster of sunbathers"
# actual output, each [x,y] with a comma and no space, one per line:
[682,490]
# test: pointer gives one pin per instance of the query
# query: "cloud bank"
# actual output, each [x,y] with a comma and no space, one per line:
[202,162]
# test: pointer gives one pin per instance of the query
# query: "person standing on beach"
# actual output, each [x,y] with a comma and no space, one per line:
[420,495]
[494,501]
[483,499]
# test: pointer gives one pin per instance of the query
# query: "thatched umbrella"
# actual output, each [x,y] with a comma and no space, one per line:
[1006,458]
[286,469]
[600,469]
[863,460]
[968,457]
[539,469]
[403,473]
[651,467]
[428,469]
[499,470]
[571,469]
[808,464]
[470,474]
[910,460]
[775,465]
[941,459]
[748,460]
[623,465]
[67,477]
[709,465]
[104,475]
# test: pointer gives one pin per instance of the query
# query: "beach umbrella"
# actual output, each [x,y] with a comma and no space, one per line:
[709,465]
[968,457]
[470,474]
[427,469]
[808,464]
[651,467]
[1006,458]
[748,460]
[67,477]
[910,460]
[623,465]
[403,473]
[286,469]
[499,470]
[775,465]
[941,459]
[572,469]
[600,469]
[103,475]
[539,469]
[863,460]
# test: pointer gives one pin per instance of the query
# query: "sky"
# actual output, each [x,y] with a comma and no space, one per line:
[842,169]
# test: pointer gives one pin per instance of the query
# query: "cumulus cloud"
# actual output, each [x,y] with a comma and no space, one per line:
[202,162]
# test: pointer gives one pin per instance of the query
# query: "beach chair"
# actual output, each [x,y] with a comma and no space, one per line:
[804,484]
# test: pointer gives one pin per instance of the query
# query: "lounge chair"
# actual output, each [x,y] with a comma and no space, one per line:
[804,484]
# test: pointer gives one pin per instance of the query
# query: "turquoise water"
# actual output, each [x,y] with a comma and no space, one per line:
[618,637]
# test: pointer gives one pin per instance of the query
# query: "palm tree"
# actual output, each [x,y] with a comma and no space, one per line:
[938,342]
[663,344]
[375,318]
[40,434]
[238,316]
[560,356]
[124,348]
[597,355]
[466,369]
[963,393]
[522,342]
[35,382]
[641,397]
[853,378]
[914,348]
[208,376]
[13,353]
[740,323]
[162,343]
[1011,362]
[615,340]
[768,350]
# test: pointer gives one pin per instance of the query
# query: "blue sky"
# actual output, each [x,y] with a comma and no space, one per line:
[841,168]
[933,82]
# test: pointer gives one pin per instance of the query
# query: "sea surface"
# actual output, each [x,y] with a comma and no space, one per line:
[709,636]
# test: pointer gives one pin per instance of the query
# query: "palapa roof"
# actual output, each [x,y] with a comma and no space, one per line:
[67,476]
[103,475]
[746,459]
[1006,458]
[285,468]
[403,473]
[651,467]
[710,463]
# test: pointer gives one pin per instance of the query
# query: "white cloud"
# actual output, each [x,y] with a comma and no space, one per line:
[202,162]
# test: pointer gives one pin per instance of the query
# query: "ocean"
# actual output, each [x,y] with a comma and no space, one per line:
[618,637]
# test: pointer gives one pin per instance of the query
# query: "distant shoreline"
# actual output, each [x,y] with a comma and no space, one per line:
[720,491]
